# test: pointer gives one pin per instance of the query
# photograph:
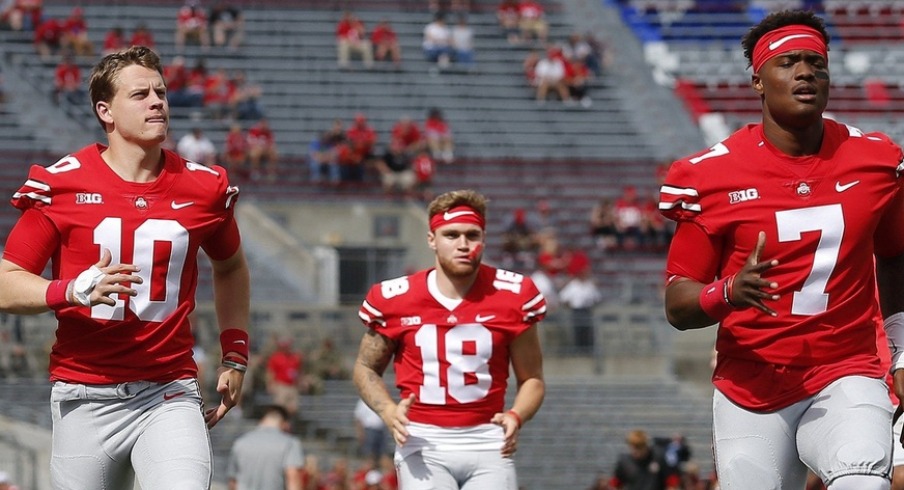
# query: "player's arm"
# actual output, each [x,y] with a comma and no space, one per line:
[293,478]
[889,242]
[232,301]
[527,364]
[374,356]
[31,243]
[691,303]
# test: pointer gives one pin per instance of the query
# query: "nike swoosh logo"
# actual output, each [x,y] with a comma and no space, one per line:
[181,205]
[170,396]
[842,188]
[481,319]
[447,215]
[775,44]
[242,342]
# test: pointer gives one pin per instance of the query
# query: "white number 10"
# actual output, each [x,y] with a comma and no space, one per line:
[108,235]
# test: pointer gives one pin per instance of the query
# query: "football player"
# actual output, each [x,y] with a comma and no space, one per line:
[777,228]
[123,224]
[452,331]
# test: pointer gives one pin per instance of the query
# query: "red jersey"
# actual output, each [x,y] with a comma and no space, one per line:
[284,367]
[159,226]
[143,38]
[68,76]
[406,135]
[454,359]
[436,127]
[820,214]
[383,34]
[236,144]
[260,137]
[113,41]
[424,168]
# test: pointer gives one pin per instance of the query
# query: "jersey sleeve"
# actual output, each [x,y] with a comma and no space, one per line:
[679,196]
[36,192]
[534,305]
[224,242]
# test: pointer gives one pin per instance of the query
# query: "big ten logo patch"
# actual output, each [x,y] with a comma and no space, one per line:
[745,195]
[88,198]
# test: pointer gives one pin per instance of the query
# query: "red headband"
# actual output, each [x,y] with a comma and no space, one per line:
[788,38]
[458,214]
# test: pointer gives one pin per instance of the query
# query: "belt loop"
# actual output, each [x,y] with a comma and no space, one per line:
[122,391]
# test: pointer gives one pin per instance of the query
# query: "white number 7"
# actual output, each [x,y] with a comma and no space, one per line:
[812,298]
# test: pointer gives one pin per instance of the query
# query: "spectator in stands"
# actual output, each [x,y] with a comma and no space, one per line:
[48,36]
[191,25]
[454,6]
[142,36]
[351,39]
[642,467]
[6,482]
[68,81]
[659,231]
[197,147]
[362,139]
[532,21]
[437,42]
[322,158]
[529,67]
[311,477]
[577,48]
[601,482]
[75,34]
[245,98]
[386,44]
[630,228]
[675,451]
[285,375]
[581,295]
[218,93]
[338,476]
[373,436]
[235,152]
[114,40]
[23,14]
[227,24]
[509,19]
[328,362]
[407,133]
[396,174]
[424,172]
[602,225]
[578,82]
[550,74]
[176,76]
[262,150]
[463,43]
[552,258]
[519,242]
[439,136]
[266,457]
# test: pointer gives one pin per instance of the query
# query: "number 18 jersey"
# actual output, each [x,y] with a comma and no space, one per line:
[453,355]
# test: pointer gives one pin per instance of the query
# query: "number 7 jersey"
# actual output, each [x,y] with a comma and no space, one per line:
[158,226]
[453,355]
[821,215]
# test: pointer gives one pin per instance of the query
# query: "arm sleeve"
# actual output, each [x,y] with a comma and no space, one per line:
[32,241]
[693,253]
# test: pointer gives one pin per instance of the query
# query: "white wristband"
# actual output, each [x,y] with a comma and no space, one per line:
[894,330]
[85,283]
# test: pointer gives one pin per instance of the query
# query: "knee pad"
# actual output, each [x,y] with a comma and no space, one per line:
[740,470]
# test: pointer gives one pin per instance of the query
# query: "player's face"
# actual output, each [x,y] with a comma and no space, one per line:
[795,87]
[139,110]
[454,244]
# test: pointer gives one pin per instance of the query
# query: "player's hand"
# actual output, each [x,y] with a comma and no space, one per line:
[115,276]
[229,385]
[748,284]
[398,420]
[510,425]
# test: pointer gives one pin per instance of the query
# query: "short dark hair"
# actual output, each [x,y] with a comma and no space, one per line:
[275,410]
[777,20]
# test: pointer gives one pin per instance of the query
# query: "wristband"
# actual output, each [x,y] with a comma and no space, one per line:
[56,296]
[234,340]
[715,298]
[515,416]
[894,330]
[235,365]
